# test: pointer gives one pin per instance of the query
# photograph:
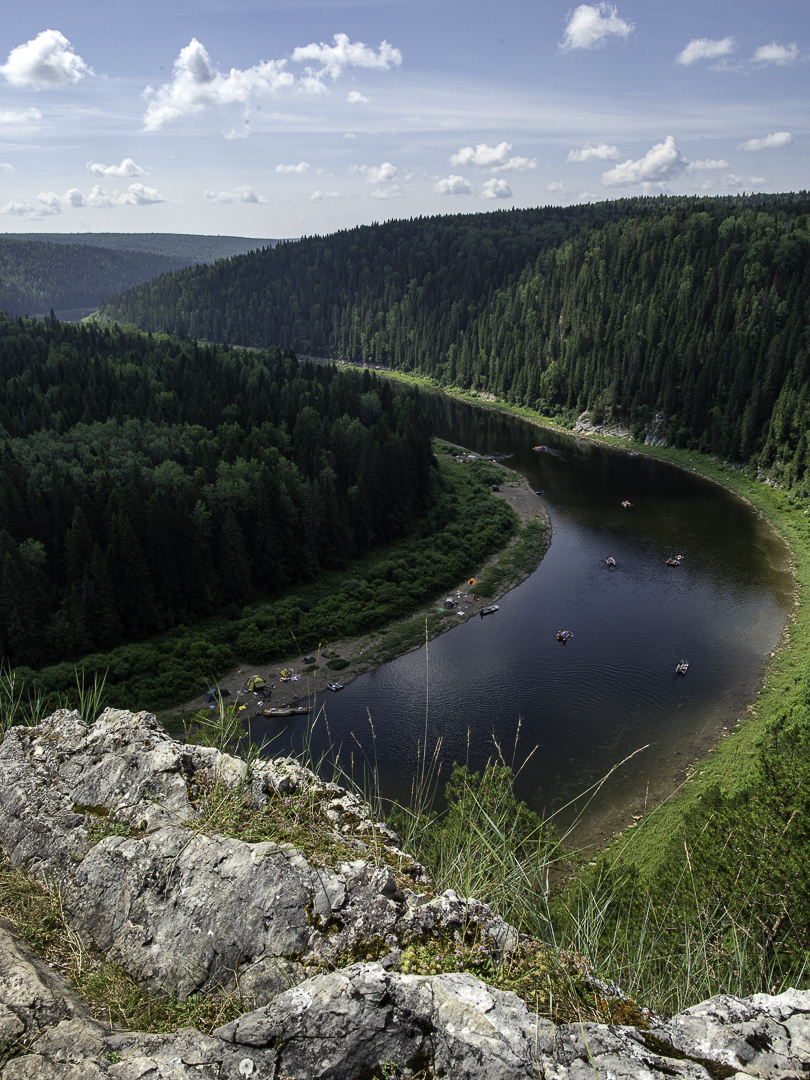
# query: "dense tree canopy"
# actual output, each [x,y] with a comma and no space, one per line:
[688,313]
[145,482]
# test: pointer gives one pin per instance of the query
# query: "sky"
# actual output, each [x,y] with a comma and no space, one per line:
[284,118]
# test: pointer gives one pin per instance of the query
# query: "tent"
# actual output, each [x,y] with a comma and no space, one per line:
[215,695]
[255,682]
[472,581]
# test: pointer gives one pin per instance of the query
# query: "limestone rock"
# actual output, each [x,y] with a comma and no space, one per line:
[345,1024]
[185,909]
[33,996]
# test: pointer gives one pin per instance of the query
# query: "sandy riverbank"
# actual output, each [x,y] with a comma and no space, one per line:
[367,652]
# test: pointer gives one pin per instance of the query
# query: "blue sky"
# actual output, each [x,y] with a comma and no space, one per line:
[278,118]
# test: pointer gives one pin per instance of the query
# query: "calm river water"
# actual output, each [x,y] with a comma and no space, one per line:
[584,706]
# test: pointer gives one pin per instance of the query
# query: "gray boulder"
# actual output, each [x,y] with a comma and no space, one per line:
[185,909]
[362,1020]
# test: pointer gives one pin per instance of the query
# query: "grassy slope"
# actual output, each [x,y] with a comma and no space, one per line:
[731,764]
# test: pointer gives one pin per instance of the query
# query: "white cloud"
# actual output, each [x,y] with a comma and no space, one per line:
[19,116]
[345,53]
[496,189]
[317,195]
[589,25]
[138,195]
[594,152]
[778,138]
[731,180]
[708,163]
[661,163]
[197,84]
[135,195]
[301,167]
[45,204]
[376,174]
[312,84]
[782,55]
[46,60]
[6,166]
[126,169]
[555,187]
[453,185]
[705,49]
[495,158]
[243,194]
[350,135]
[394,192]
[354,97]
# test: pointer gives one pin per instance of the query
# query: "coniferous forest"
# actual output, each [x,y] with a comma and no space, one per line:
[145,482]
[52,271]
[687,313]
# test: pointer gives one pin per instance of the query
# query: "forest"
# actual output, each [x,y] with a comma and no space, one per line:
[53,271]
[687,314]
[146,483]
[186,248]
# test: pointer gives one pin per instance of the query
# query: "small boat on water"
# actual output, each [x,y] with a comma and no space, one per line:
[488,610]
[674,560]
[334,686]
[539,449]
[626,504]
[610,561]
[564,635]
[288,710]
[682,668]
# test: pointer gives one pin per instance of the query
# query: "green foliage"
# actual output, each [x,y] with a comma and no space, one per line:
[37,276]
[688,313]
[204,491]
[486,843]
[466,525]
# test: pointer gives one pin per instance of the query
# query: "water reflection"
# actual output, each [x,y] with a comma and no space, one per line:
[613,688]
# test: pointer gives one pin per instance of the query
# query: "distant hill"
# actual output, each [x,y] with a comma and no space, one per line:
[187,247]
[690,314]
[72,273]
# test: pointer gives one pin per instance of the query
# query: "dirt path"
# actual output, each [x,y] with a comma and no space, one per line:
[364,653]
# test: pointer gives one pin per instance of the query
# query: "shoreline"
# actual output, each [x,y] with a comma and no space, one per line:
[620,817]
[367,652]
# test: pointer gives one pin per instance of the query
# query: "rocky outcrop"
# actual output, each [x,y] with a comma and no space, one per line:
[113,814]
[175,903]
[365,1022]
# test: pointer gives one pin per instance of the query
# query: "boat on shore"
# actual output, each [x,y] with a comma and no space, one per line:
[288,710]
[335,686]
[488,610]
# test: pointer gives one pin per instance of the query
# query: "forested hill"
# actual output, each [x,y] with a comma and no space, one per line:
[69,271]
[688,313]
[36,277]
[146,483]
[187,248]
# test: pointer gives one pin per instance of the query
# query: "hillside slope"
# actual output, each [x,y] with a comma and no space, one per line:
[188,248]
[689,314]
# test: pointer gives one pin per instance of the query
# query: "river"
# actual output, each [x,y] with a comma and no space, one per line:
[582,707]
